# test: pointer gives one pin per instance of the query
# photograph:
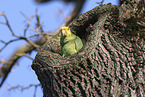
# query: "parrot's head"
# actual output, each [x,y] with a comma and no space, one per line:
[65,32]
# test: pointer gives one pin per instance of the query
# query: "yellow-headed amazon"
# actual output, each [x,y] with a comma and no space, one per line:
[70,43]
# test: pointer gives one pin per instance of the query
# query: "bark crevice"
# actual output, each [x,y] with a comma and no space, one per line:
[111,63]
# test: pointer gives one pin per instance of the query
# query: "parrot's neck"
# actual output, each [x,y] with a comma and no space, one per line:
[69,38]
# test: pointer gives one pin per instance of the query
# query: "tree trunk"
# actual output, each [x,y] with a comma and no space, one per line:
[111,62]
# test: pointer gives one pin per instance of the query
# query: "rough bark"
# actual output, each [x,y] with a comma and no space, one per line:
[111,63]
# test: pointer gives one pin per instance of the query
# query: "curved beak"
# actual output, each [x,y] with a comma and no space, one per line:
[63,33]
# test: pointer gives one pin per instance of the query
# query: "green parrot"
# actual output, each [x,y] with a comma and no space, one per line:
[70,43]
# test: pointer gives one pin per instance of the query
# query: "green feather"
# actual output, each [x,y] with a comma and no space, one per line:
[70,43]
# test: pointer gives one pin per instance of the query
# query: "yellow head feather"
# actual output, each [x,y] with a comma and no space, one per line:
[65,31]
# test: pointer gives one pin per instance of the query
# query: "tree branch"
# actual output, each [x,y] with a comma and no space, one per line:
[6,68]
[22,88]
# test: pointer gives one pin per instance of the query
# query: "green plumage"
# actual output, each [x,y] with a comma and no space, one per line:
[70,43]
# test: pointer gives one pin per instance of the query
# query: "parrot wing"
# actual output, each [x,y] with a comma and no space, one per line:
[78,44]
[69,48]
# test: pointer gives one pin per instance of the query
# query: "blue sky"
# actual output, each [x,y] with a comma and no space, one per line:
[51,17]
